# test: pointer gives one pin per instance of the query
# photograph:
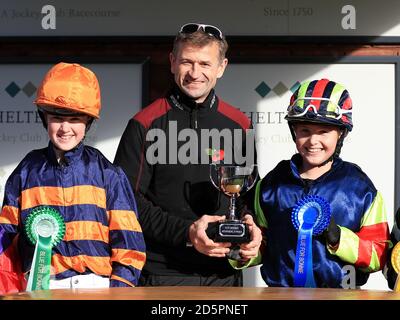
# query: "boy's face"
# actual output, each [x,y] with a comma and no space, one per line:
[65,131]
[196,69]
[315,142]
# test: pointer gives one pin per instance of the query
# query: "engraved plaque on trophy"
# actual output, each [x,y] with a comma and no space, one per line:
[233,181]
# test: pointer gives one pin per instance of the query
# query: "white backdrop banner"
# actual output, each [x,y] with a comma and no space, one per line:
[22,131]
[263,91]
[161,18]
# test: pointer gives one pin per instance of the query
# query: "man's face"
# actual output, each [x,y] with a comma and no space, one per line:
[196,69]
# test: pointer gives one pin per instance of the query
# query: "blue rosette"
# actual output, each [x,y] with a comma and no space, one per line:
[310,216]
[313,210]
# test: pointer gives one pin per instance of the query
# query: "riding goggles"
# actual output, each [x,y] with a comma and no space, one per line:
[332,110]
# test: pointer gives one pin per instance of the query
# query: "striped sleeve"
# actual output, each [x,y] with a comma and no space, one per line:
[367,248]
[126,238]
[10,212]
[262,223]
[11,276]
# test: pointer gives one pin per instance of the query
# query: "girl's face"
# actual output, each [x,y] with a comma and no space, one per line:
[316,143]
[66,131]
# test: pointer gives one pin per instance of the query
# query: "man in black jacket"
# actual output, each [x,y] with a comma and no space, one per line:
[166,151]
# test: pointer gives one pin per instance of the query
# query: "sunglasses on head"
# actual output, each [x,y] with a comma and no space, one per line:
[206,28]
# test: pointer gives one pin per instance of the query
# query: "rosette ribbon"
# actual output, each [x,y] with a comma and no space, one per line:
[44,227]
[310,216]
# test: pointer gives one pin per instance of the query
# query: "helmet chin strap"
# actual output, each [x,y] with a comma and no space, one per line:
[338,148]
[59,155]
[327,161]
[43,118]
[88,124]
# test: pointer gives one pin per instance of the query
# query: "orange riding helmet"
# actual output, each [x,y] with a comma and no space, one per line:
[69,88]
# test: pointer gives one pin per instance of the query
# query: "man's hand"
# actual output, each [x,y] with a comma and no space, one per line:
[202,243]
[250,250]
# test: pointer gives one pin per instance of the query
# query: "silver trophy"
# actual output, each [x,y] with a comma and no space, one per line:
[234,181]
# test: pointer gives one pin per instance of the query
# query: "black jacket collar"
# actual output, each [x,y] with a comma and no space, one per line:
[180,100]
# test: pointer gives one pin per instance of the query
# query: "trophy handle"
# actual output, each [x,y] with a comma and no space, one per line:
[250,173]
[214,170]
[253,175]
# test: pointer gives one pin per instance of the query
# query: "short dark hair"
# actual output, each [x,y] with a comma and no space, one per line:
[199,39]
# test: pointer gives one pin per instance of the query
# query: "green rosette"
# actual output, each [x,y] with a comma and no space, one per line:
[44,227]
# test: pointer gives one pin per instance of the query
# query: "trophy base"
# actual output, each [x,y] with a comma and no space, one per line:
[234,231]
